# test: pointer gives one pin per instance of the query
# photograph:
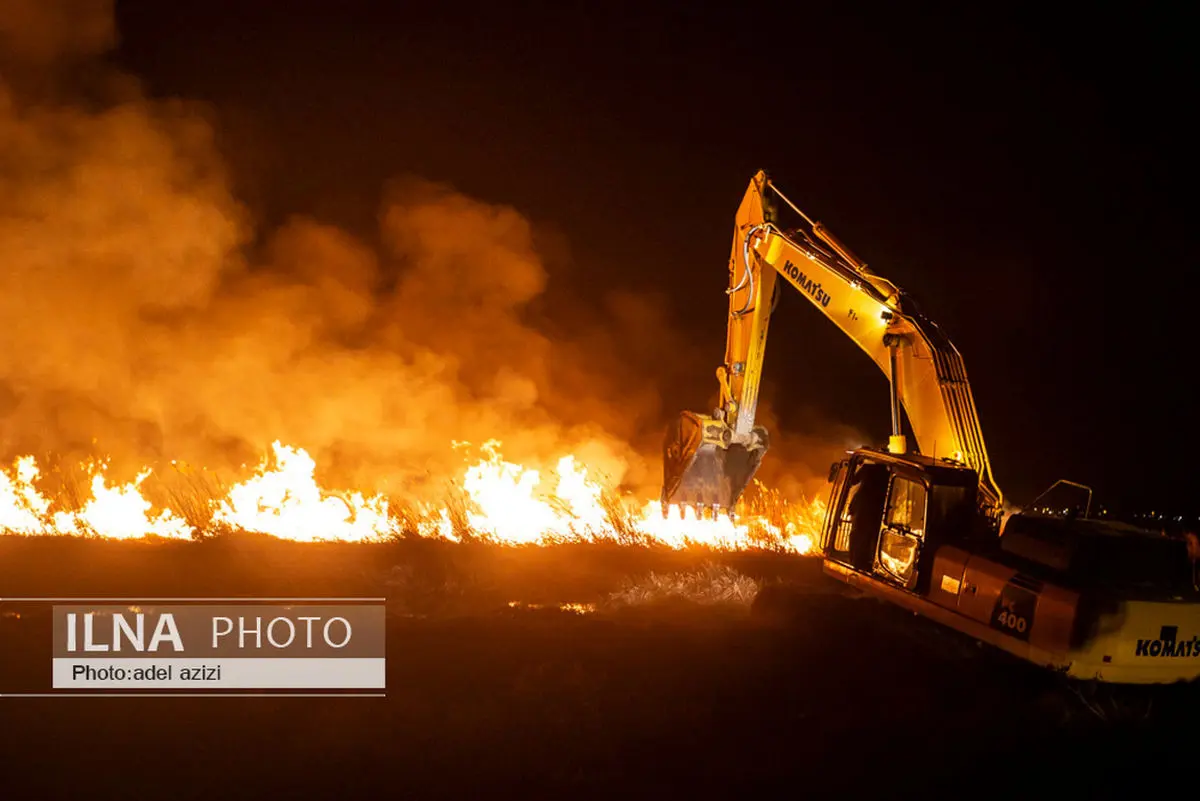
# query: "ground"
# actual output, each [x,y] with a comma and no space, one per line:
[649,696]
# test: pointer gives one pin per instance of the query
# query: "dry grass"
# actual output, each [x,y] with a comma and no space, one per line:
[189,493]
[712,584]
[458,504]
[193,494]
[779,517]
[608,701]
[621,518]
[409,517]
[69,486]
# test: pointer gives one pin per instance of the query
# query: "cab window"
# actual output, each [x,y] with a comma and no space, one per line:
[846,521]
[906,506]
[903,531]
[832,527]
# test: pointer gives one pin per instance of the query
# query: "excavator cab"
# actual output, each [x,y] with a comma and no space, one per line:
[920,527]
[888,513]
[706,465]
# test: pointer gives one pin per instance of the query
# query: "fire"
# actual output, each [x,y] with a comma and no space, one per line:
[22,507]
[501,501]
[680,530]
[285,501]
[508,508]
[121,513]
[118,512]
[511,508]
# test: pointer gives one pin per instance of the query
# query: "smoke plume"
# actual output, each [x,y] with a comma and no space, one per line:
[144,318]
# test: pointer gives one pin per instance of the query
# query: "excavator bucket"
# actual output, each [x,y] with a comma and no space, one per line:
[705,465]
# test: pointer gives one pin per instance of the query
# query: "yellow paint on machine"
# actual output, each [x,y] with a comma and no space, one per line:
[1145,642]
[1132,624]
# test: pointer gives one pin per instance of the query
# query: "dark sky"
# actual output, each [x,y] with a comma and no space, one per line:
[1024,177]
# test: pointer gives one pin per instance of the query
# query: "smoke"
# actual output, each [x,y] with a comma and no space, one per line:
[47,33]
[145,318]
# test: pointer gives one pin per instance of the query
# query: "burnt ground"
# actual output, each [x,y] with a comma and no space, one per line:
[820,695]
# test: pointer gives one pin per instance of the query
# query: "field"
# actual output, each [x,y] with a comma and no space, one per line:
[665,681]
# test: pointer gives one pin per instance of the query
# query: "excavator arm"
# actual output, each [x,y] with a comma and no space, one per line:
[709,459]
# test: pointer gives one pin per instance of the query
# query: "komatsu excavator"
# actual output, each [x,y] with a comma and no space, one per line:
[919,524]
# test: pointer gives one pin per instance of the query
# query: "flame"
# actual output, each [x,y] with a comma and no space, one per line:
[22,507]
[501,501]
[121,513]
[285,501]
[118,512]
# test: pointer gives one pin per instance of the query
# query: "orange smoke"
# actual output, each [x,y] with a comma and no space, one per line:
[146,320]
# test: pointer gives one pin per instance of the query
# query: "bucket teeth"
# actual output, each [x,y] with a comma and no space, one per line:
[706,467]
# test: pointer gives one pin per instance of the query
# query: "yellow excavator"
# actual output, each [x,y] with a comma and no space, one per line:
[920,523]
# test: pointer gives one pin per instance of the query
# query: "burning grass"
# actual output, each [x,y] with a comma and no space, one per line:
[493,501]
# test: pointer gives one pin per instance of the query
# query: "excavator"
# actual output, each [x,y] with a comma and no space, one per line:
[920,523]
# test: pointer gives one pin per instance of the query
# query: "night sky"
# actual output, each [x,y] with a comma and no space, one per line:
[1023,177]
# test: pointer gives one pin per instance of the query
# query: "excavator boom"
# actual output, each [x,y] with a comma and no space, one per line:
[710,459]
[917,525]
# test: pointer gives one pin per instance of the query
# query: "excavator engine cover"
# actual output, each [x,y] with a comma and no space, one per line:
[706,465]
